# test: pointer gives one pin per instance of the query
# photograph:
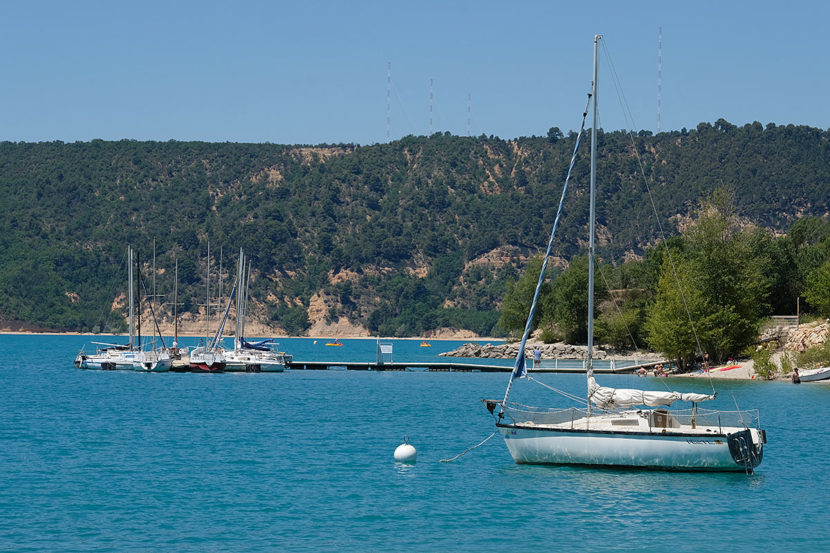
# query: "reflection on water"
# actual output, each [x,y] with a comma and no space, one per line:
[404,469]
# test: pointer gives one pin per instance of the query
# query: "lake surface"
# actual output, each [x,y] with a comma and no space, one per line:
[302,461]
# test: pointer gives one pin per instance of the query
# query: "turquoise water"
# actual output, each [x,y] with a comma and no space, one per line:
[302,461]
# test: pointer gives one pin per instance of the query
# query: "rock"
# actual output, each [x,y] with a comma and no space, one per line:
[549,351]
[806,336]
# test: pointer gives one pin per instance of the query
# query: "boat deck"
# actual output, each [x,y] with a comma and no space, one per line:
[647,421]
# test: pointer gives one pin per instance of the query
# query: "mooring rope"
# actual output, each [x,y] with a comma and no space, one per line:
[468,449]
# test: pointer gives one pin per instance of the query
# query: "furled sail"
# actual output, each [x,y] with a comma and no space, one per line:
[611,398]
[259,346]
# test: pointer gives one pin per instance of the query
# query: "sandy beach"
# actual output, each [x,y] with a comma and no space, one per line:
[743,370]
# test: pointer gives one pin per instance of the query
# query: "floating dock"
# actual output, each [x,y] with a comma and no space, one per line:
[453,366]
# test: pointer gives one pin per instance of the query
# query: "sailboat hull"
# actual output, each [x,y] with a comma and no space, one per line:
[254,361]
[659,451]
[104,364]
[125,361]
[205,368]
[154,366]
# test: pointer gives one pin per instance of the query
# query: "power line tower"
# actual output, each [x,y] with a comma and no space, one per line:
[469,101]
[430,106]
[388,98]
[659,77]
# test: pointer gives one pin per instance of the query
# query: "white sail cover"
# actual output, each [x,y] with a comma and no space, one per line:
[611,398]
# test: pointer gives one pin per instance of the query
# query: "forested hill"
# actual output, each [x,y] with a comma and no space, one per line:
[402,238]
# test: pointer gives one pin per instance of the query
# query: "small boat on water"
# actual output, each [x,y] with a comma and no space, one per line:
[814,375]
[620,427]
[426,344]
[336,342]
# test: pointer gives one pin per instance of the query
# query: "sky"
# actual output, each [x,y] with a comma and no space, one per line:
[315,72]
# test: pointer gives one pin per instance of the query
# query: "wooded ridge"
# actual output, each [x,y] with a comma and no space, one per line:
[403,238]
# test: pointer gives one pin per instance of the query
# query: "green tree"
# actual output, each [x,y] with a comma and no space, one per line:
[817,290]
[678,301]
[730,272]
[519,296]
[619,328]
[724,292]
[566,307]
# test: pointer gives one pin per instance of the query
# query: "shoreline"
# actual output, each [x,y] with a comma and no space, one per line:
[7,332]
[743,370]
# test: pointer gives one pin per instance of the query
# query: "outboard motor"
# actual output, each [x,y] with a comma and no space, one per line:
[744,451]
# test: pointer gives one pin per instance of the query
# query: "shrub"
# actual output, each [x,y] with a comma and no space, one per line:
[762,364]
[814,357]
[786,364]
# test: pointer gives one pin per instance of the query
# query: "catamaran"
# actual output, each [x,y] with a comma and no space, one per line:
[128,356]
[622,427]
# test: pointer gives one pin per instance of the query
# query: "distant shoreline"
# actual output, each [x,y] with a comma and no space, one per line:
[321,337]
[743,372]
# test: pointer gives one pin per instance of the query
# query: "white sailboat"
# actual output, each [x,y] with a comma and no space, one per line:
[246,356]
[130,356]
[208,356]
[616,428]
[176,351]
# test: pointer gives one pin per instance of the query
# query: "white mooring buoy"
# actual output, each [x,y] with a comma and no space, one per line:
[405,453]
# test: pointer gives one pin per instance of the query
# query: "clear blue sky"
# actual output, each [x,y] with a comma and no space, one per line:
[309,72]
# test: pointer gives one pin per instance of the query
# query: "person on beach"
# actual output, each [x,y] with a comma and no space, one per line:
[796,378]
[537,356]
[706,361]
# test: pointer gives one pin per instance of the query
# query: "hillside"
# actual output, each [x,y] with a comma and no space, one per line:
[405,238]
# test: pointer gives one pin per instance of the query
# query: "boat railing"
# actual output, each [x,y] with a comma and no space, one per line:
[523,414]
[707,417]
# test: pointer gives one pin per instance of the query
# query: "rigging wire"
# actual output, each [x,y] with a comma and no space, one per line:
[617,306]
[103,319]
[152,311]
[520,368]
[578,399]
[403,107]
[630,121]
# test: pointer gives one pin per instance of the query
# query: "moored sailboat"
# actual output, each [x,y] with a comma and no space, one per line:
[128,356]
[208,356]
[249,356]
[613,430]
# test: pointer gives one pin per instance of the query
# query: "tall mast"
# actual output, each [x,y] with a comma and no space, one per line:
[138,281]
[207,302]
[219,296]
[131,298]
[176,307]
[245,303]
[153,299]
[589,366]
[240,271]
